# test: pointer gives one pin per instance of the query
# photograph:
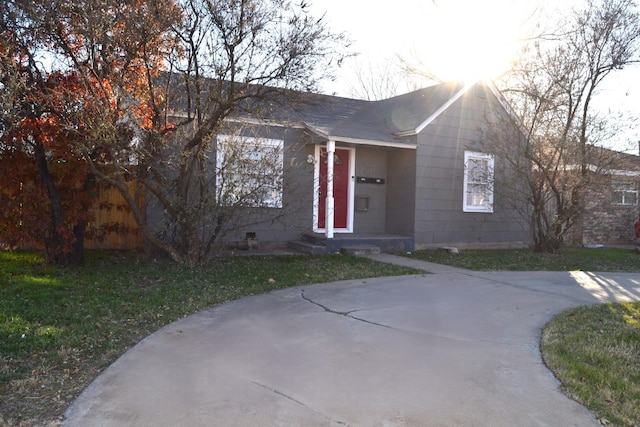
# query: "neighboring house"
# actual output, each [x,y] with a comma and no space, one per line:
[406,173]
[611,208]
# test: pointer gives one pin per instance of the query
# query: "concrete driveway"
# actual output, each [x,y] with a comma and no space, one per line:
[451,348]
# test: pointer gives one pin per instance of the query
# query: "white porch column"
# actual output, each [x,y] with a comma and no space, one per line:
[330,203]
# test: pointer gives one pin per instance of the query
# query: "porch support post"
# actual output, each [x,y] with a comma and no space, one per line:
[330,204]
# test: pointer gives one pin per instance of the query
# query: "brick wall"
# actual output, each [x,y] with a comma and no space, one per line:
[606,222]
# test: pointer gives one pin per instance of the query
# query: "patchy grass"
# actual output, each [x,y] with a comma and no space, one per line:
[568,259]
[595,352]
[59,328]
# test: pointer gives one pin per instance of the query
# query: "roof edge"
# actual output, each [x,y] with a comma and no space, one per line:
[436,114]
[507,107]
[358,141]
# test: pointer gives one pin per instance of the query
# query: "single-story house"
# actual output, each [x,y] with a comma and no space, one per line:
[403,173]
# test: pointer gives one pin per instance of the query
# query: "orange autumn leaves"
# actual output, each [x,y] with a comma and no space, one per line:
[111,53]
[25,205]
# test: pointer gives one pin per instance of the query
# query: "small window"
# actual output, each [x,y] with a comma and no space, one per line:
[249,171]
[478,182]
[624,193]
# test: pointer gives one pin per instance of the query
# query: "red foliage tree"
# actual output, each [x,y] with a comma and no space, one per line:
[44,184]
[52,124]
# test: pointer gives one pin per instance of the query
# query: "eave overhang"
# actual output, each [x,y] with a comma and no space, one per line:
[357,141]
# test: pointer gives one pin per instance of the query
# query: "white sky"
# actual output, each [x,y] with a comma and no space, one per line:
[449,34]
[458,38]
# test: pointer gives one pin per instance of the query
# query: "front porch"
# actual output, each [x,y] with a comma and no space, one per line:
[317,243]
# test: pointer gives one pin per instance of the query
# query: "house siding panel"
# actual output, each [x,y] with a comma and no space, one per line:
[270,225]
[294,218]
[401,192]
[372,164]
[440,219]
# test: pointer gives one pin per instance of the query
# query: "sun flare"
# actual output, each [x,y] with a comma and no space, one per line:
[470,40]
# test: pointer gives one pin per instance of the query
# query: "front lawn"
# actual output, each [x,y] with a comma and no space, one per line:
[595,352]
[59,328]
[568,259]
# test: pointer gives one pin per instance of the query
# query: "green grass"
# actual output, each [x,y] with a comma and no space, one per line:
[59,328]
[595,352]
[568,259]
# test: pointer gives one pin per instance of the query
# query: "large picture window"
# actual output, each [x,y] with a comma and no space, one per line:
[249,171]
[478,182]
[624,193]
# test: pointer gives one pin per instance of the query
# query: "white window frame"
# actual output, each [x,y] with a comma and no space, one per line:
[474,183]
[251,150]
[624,188]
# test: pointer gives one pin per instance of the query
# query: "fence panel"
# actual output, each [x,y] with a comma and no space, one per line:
[113,220]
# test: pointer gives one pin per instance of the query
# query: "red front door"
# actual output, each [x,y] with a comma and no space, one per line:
[340,188]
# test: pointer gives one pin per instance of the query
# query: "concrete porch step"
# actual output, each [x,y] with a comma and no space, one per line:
[314,243]
[384,243]
[307,247]
[360,250]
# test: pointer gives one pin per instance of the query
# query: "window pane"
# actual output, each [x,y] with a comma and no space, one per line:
[478,182]
[630,198]
[478,170]
[477,195]
[250,171]
[624,193]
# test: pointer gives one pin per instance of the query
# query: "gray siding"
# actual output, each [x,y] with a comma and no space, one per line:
[440,219]
[401,192]
[371,163]
[296,215]
[271,225]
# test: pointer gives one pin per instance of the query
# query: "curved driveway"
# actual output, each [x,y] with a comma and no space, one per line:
[452,348]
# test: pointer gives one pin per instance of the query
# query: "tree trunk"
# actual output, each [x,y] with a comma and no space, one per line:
[192,245]
[76,256]
[57,248]
[54,240]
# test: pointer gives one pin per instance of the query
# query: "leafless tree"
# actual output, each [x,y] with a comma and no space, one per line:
[414,66]
[234,59]
[552,93]
[374,81]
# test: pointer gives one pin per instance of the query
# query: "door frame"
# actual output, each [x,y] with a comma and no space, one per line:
[350,189]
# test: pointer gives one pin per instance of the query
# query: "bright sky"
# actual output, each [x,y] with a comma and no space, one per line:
[459,39]
[453,36]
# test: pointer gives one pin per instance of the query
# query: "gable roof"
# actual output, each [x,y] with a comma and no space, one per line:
[382,122]
[386,122]
[412,112]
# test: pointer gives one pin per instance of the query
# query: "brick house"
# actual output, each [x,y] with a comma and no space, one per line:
[611,208]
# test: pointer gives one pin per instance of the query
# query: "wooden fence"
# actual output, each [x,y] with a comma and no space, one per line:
[113,221]
[112,224]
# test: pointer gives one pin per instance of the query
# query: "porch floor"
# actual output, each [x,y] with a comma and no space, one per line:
[317,243]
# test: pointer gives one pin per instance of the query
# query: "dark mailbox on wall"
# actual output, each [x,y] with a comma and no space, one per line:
[368,180]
